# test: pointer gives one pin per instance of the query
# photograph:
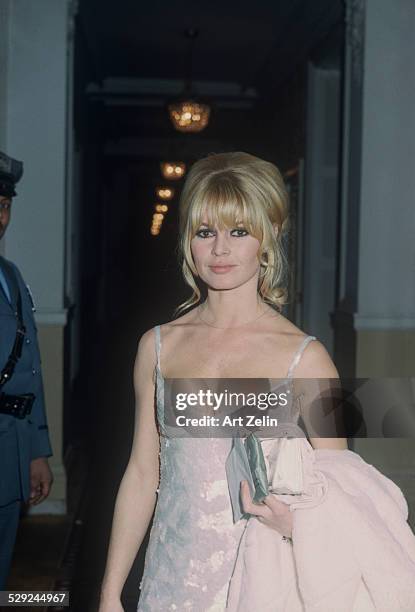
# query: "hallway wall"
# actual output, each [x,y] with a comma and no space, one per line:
[33,98]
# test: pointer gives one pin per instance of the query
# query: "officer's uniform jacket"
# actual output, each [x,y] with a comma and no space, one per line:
[21,440]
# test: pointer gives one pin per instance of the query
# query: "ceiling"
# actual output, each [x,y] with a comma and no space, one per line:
[137,51]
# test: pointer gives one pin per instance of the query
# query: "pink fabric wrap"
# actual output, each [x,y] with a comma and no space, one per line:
[353,550]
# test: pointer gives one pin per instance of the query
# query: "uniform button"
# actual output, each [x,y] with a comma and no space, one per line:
[33,371]
[27,340]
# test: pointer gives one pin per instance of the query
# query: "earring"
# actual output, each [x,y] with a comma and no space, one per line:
[264,263]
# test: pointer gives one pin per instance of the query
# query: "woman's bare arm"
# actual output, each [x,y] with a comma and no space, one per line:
[136,497]
[317,366]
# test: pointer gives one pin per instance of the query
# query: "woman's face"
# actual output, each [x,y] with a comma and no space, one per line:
[225,258]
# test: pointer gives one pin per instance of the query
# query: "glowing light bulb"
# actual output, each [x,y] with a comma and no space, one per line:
[173,170]
[165,193]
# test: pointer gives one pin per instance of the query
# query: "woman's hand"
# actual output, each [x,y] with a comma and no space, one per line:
[271,512]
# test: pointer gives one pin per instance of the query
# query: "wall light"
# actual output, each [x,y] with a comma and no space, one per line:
[161,207]
[173,170]
[165,193]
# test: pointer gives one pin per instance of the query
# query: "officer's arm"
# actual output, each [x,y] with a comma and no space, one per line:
[40,442]
[136,496]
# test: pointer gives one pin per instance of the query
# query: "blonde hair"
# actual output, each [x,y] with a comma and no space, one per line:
[231,188]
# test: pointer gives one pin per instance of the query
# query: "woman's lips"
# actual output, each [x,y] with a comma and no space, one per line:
[221,269]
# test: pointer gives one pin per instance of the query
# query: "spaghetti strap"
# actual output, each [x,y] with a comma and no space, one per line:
[298,354]
[158,344]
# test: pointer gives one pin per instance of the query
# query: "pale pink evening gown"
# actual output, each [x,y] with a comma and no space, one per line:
[197,555]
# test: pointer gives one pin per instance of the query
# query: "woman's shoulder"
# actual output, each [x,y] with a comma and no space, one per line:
[180,324]
[315,361]
[288,333]
[146,347]
[167,327]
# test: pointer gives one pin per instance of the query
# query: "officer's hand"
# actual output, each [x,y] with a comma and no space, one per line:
[41,479]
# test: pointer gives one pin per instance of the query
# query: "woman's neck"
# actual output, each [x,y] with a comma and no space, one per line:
[227,315]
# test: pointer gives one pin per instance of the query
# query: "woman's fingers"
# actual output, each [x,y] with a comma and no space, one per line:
[271,512]
[277,506]
[270,501]
[248,505]
[246,496]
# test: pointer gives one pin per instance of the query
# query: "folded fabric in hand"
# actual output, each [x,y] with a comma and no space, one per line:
[285,468]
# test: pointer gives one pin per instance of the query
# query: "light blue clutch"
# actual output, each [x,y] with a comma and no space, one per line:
[246,462]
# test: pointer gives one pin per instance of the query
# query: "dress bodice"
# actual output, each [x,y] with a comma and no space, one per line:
[288,415]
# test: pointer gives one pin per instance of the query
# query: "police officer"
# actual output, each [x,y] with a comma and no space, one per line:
[25,475]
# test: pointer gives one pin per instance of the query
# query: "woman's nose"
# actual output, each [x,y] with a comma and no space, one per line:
[220,245]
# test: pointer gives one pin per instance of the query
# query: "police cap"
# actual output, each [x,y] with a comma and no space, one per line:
[11,171]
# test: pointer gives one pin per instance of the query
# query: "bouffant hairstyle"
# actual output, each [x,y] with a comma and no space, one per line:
[232,188]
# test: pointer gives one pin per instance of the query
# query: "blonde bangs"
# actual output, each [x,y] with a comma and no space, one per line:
[224,205]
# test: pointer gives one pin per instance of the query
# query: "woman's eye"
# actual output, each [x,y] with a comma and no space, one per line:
[240,229]
[201,233]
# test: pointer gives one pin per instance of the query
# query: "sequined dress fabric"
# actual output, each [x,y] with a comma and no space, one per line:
[193,541]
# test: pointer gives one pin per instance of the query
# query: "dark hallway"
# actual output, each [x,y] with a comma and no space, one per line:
[250,64]
[253,64]
[96,99]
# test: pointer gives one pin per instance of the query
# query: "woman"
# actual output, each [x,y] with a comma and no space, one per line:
[233,214]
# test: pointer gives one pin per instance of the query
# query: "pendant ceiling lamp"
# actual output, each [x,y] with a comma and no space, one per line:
[188,114]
